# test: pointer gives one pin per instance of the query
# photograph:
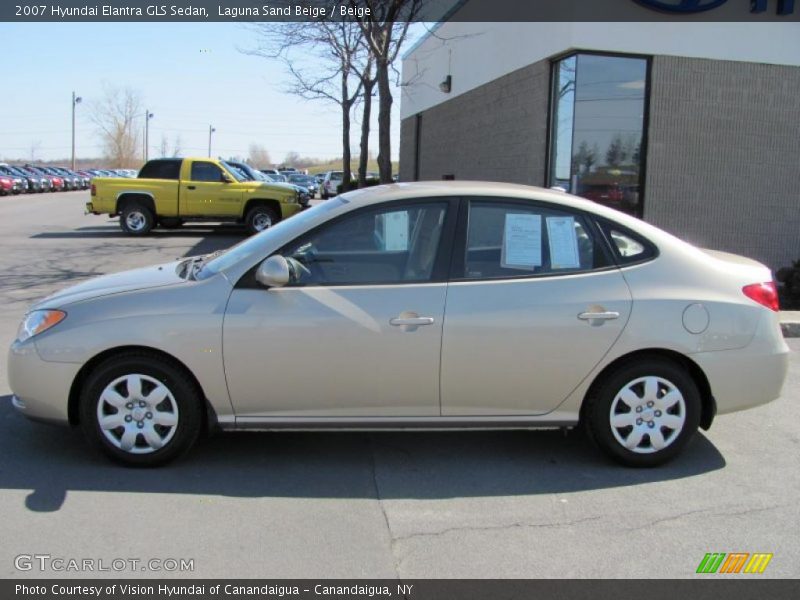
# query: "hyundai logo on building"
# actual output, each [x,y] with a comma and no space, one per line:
[785,7]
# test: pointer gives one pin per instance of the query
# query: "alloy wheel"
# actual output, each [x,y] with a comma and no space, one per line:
[137,414]
[647,414]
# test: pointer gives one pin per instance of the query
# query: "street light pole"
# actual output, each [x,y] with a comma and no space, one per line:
[147,116]
[210,131]
[75,101]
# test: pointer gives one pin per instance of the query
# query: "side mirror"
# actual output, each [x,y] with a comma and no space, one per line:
[273,272]
[226,178]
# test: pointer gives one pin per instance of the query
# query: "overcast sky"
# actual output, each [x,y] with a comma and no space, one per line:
[189,75]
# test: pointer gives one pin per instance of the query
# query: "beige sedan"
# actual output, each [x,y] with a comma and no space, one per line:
[426,305]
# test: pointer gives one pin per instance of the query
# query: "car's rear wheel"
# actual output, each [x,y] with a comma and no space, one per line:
[260,218]
[136,219]
[140,410]
[644,413]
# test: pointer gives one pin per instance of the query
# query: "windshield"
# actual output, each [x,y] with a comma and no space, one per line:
[236,173]
[256,244]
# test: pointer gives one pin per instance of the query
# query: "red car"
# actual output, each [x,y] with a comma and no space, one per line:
[6,185]
[56,182]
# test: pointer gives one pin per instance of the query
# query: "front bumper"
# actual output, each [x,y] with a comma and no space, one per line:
[289,210]
[40,388]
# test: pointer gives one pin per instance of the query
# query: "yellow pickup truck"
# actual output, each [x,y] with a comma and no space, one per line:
[170,191]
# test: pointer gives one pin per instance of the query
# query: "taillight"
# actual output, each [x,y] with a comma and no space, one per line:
[94,190]
[766,294]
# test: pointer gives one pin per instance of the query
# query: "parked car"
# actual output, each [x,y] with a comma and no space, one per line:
[439,305]
[75,181]
[20,184]
[170,191]
[307,181]
[6,185]
[57,183]
[45,181]
[330,183]
[253,175]
[36,183]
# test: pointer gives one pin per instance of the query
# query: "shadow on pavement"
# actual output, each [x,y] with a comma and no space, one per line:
[210,239]
[52,461]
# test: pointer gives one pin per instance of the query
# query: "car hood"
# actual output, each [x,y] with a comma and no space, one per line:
[278,184]
[125,281]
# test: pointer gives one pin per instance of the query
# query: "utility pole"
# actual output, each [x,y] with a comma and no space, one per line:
[75,101]
[210,131]
[147,116]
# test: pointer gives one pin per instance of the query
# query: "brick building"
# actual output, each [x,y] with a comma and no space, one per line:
[694,127]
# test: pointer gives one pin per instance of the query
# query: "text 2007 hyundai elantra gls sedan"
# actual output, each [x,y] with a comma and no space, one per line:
[426,305]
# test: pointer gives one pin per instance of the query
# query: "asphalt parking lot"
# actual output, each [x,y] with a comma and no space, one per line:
[410,505]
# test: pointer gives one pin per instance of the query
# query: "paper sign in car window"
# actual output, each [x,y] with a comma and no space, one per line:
[522,242]
[563,243]
[395,229]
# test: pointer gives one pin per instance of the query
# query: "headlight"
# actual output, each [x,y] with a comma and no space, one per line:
[37,321]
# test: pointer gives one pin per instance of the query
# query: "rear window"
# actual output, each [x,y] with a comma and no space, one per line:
[161,169]
[628,247]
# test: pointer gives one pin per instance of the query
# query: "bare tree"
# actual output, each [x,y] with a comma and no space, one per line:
[177,146]
[291,159]
[333,49]
[163,147]
[259,157]
[115,116]
[368,81]
[385,28]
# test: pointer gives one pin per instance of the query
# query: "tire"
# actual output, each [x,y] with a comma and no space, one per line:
[159,427]
[260,218]
[644,413]
[170,222]
[136,219]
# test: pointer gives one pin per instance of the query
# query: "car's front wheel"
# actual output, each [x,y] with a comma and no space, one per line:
[644,413]
[140,410]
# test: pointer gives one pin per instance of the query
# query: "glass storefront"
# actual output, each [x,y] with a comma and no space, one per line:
[597,128]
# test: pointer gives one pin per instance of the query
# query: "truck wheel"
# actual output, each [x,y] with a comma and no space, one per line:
[260,218]
[136,219]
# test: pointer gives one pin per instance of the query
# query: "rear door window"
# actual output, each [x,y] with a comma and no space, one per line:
[517,239]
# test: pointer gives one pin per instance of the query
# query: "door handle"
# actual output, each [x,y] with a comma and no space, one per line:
[411,321]
[190,187]
[598,316]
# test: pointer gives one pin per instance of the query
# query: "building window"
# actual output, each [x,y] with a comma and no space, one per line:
[598,128]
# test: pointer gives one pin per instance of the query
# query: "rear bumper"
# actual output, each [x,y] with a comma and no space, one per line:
[749,376]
